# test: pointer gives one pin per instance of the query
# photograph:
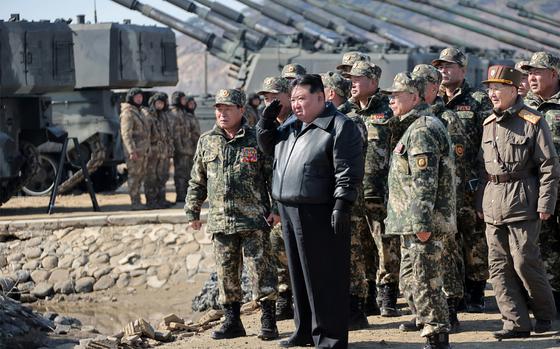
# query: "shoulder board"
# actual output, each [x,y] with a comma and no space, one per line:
[529,116]
[489,119]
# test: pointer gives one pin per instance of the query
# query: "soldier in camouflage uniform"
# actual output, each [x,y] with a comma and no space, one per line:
[252,109]
[233,174]
[161,149]
[373,108]
[135,130]
[349,58]
[421,207]
[292,71]
[472,106]
[453,280]
[186,131]
[337,90]
[279,88]
[524,87]
[544,70]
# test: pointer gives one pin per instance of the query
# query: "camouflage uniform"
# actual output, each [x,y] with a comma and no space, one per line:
[422,199]
[550,231]
[234,175]
[135,136]
[472,106]
[349,58]
[292,71]
[186,131]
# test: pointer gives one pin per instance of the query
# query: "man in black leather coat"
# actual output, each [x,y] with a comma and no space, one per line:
[318,164]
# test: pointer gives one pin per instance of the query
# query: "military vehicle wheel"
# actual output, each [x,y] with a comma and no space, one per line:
[43,181]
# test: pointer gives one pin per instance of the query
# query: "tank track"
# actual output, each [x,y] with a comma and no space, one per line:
[28,170]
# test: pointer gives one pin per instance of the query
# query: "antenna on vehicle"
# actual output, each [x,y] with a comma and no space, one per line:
[95,11]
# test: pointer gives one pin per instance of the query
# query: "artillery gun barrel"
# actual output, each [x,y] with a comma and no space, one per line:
[532,15]
[407,25]
[290,22]
[509,40]
[471,4]
[506,28]
[255,40]
[221,48]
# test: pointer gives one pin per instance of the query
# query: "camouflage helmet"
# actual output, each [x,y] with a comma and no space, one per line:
[451,55]
[131,93]
[363,68]
[337,82]
[519,66]
[158,96]
[230,96]
[427,72]
[176,98]
[293,70]
[349,58]
[404,82]
[275,84]
[543,60]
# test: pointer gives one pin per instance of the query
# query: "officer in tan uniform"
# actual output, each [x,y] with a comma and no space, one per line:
[519,183]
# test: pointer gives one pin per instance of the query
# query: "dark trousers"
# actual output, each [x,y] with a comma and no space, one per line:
[319,265]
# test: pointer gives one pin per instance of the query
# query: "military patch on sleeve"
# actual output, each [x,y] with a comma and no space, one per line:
[422,162]
[459,150]
[399,149]
[463,108]
[378,116]
[249,154]
[528,116]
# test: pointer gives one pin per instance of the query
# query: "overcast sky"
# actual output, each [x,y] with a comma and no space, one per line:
[107,10]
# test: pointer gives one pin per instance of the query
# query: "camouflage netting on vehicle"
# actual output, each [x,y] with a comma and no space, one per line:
[208,296]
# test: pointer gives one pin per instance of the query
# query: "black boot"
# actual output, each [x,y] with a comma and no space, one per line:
[475,300]
[411,326]
[232,326]
[269,331]
[437,341]
[358,319]
[284,306]
[371,307]
[389,294]
[453,319]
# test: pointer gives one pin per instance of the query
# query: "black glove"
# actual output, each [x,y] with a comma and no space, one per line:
[340,218]
[271,112]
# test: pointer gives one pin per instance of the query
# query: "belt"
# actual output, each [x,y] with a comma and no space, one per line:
[509,177]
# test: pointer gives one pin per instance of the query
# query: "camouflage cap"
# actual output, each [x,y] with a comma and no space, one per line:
[543,60]
[230,96]
[337,82]
[519,66]
[426,71]
[275,84]
[363,68]
[451,55]
[293,70]
[349,58]
[502,74]
[404,82]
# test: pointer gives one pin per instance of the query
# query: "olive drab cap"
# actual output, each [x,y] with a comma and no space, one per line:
[404,82]
[543,60]
[337,82]
[426,71]
[502,74]
[293,70]
[519,66]
[349,58]
[230,96]
[363,68]
[275,84]
[451,55]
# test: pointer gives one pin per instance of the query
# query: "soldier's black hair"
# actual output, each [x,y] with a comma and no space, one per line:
[314,82]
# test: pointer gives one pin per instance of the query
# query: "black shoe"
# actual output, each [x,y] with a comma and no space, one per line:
[411,326]
[295,342]
[453,319]
[269,331]
[542,326]
[475,299]
[507,334]
[371,307]
[389,294]
[232,326]
[284,306]
[437,341]
[357,319]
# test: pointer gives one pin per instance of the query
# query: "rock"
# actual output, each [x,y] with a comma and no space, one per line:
[123,280]
[188,249]
[151,271]
[64,287]
[80,261]
[202,237]
[172,318]
[101,258]
[154,282]
[33,252]
[84,285]
[192,261]
[43,290]
[170,239]
[138,272]
[50,262]
[67,320]
[3,261]
[101,272]
[27,298]
[59,275]
[90,329]
[62,329]
[164,271]
[26,287]
[40,275]
[138,281]
[60,233]
[31,265]
[22,276]
[129,258]
[16,257]
[105,282]
[66,261]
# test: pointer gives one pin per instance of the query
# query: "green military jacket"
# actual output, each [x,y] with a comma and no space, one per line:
[234,175]
[421,178]
[345,107]
[551,111]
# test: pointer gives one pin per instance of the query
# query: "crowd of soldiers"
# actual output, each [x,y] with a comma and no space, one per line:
[152,135]
[457,183]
